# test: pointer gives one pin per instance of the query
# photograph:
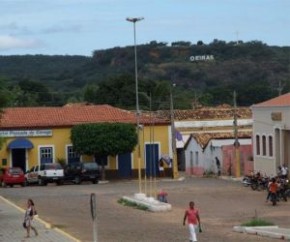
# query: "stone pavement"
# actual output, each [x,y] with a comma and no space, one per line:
[11,230]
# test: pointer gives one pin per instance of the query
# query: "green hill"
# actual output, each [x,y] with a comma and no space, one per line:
[203,74]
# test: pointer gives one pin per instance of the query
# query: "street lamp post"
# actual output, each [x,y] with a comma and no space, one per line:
[134,21]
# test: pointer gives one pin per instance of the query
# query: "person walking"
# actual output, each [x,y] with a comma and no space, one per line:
[28,218]
[272,190]
[193,221]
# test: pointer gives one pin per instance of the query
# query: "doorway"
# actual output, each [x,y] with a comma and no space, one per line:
[19,158]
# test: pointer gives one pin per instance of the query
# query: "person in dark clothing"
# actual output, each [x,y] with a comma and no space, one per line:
[218,165]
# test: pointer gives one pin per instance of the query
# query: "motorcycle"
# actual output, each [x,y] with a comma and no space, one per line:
[282,192]
[247,181]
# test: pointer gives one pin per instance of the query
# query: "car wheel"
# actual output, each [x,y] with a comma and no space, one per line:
[77,180]
[26,183]
[41,182]
[96,181]
[3,184]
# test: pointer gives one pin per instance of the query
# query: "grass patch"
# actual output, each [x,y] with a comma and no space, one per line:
[257,222]
[128,203]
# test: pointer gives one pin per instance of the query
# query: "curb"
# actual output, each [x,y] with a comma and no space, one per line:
[266,231]
[47,225]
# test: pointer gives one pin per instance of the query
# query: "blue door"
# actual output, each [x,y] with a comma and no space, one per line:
[152,154]
[124,164]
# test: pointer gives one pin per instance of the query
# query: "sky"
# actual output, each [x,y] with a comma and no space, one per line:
[78,27]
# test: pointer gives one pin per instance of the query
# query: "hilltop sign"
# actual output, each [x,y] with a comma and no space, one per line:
[201,58]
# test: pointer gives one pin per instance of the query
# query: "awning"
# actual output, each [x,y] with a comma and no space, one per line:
[20,143]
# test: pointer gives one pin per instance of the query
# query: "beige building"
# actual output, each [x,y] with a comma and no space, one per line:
[271,134]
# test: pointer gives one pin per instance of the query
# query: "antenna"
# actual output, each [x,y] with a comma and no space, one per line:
[280,88]
[237,33]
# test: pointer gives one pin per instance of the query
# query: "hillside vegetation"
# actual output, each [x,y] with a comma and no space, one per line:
[253,69]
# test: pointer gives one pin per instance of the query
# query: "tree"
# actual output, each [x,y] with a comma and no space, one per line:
[104,139]
[90,93]
[38,91]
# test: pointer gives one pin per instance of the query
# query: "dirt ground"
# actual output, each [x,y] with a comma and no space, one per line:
[222,205]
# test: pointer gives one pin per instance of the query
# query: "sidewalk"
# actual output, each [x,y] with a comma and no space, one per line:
[267,231]
[11,218]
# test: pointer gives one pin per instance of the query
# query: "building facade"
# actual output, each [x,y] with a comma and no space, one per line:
[202,150]
[271,134]
[36,135]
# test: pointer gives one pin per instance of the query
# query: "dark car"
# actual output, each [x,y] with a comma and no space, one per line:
[10,176]
[82,171]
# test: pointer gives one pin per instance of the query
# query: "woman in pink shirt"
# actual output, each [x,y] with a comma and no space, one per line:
[193,221]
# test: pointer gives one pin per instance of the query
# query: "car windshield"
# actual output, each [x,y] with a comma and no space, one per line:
[15,171]
[92,166]
[52,166]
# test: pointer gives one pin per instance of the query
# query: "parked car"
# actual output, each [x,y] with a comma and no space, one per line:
[10,176]
[45,173]
[82,171]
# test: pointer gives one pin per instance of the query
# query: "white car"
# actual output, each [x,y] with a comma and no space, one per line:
[45,173]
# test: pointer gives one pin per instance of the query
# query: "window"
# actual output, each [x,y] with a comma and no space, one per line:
[72,155]
[264,145]
[191,158]
[196,158]
[270,146]
[46,155]
[258,152]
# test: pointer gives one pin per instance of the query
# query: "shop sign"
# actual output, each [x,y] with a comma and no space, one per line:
[26,133]
[276,116]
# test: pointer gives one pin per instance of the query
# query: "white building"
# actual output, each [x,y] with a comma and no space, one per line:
[271,134]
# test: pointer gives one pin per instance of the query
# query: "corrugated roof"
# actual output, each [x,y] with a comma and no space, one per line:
[281,101]
[69,115]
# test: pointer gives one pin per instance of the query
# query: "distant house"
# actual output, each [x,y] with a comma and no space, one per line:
[206,120]
[271,134]
[202,149]
[37,135]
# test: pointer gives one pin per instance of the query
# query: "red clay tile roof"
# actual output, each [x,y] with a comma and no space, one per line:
[207,113]
[69,115]
[283,100]
[203,138]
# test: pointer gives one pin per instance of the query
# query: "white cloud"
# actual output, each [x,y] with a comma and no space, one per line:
[10,42]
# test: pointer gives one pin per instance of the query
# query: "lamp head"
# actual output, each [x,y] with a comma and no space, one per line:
[134,20]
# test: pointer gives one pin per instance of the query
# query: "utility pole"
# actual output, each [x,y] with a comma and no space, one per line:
[173,138]
[236,143]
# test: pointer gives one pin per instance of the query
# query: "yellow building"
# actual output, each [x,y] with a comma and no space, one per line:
[36,135]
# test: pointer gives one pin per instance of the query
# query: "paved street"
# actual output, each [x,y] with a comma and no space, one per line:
[222,204]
